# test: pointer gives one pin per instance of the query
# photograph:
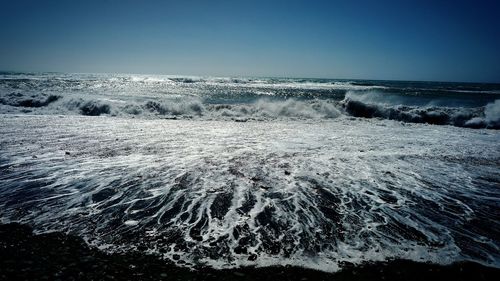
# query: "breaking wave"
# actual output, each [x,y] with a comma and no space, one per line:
[371,106]
[185,107]
[366,106]
[20,100]
[242,99]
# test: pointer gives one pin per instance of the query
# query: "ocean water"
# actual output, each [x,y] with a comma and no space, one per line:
[229,172]
[242,99]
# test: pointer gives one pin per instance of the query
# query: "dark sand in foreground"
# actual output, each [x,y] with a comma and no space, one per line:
[55,256]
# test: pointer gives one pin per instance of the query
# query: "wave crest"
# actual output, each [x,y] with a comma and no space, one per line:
[366,105]
[372,106]
[291,108]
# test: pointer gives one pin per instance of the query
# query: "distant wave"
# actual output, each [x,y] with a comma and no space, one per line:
[277,84]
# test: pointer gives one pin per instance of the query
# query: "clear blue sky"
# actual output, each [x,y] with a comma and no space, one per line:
[401,40]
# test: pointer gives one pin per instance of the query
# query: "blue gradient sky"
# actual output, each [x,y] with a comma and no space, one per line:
[401,40]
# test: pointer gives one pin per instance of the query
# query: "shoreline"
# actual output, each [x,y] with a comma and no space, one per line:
[53,256]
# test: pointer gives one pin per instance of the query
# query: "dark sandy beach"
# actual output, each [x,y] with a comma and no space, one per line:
[56,256]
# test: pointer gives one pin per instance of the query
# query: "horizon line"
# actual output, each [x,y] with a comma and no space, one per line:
[249,76]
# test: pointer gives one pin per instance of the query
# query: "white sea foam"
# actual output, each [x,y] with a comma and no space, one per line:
[492,112]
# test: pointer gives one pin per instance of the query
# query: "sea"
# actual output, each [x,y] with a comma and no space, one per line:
[228,172]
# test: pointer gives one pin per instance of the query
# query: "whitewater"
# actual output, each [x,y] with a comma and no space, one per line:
[231,172]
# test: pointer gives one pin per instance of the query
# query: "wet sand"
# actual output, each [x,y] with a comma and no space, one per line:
[56,256]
